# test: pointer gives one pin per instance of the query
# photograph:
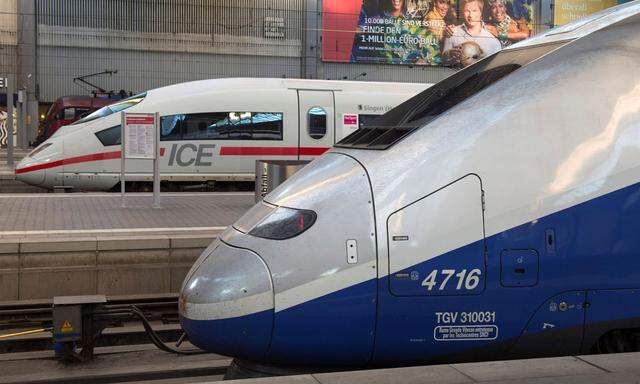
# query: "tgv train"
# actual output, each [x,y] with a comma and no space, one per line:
[493,216]
[213,130]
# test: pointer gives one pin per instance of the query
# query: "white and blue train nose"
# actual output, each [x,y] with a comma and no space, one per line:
[279,286]
[227,303]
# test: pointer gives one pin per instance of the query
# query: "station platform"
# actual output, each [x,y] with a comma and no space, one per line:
[78,213]
[590,369]
[82,243]
[145,363]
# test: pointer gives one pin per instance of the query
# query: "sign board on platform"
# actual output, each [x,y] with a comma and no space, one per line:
[140,140]
[139,136]
[4,82]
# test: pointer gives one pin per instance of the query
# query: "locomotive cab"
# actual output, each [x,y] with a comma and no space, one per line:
[306,253]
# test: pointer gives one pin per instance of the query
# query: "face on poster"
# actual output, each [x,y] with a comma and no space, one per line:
[422,32]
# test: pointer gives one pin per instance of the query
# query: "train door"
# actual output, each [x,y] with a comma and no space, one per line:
[317,123]
[434,303]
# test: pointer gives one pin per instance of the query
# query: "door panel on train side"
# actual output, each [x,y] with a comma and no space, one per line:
[317,122]
[424,254]
[433,303]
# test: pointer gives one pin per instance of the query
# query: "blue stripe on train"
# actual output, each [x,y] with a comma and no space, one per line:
[246,337]
[594,245]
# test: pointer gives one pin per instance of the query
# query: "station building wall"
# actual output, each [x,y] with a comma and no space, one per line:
[153,43]
[142,70]
[8,36]
[156,43]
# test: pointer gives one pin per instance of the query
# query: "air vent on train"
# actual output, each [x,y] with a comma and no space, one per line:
[374,137]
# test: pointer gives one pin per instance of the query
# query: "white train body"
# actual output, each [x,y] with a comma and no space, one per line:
[214,130]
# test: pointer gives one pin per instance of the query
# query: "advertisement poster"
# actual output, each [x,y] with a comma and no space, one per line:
[4,127]
[422,32]
[566,11]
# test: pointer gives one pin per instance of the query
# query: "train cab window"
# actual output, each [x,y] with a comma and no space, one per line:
[113,108]
[222,126]
[317,122]
[110,136]
[72,113]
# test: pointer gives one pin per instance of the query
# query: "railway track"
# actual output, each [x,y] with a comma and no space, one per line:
[139,363]
[160,310]
[123,352]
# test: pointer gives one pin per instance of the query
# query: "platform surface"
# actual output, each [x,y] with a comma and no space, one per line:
[147,364]
[86,213]
[592,369]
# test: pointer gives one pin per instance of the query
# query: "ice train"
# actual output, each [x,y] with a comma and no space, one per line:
[213,130]
[493,216]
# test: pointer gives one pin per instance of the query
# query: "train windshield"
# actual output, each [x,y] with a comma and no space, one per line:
[113,108]
[418,111]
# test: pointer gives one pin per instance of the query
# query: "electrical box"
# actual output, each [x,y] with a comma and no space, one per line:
[67,316]
[67,323]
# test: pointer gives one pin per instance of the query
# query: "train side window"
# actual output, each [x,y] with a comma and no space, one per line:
[171,127]
[67,114]
[81,112]
[206,126]
[110,136]
[113,108]
[267,126]
[317,122]
[223,126]
[71,113]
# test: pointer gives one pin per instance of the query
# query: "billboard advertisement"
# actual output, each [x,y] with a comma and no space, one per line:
[422,32]
[566,11]
[4,126]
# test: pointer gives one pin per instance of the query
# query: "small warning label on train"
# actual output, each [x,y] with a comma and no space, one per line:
[66,327]
[465,332]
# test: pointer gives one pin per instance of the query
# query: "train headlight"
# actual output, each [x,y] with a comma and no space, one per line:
[275,223]
[284,223]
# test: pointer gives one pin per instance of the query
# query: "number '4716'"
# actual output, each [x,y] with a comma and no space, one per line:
[463,279]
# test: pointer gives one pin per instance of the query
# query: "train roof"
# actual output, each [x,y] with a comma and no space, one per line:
[235,83]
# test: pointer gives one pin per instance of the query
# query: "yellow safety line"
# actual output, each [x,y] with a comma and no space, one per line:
[24,332]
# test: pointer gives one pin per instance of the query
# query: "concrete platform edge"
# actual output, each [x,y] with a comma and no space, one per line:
[589,369]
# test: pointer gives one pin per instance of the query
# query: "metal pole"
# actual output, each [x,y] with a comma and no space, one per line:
[156,161]
[9,126]
[23,132]
[20,127]
[122,163]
